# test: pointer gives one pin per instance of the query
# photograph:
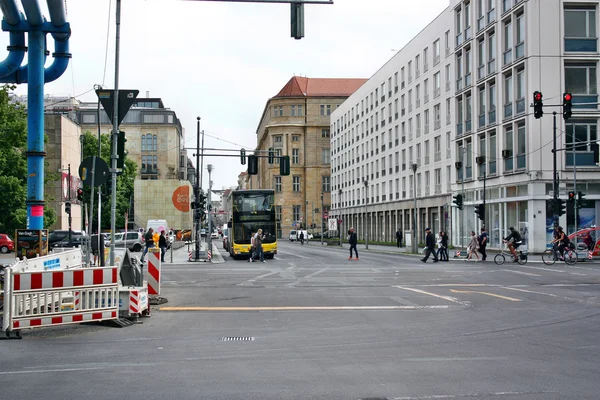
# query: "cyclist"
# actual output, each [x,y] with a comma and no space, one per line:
[516,242]
[562,240]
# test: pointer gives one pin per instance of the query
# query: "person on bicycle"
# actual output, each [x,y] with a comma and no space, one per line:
[561,239]
[516,242]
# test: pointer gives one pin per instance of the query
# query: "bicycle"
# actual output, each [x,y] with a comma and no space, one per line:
[500,258]
[550,256]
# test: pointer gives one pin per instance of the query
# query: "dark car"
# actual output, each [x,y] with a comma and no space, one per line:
[6,244]
[77,240]
[62,236]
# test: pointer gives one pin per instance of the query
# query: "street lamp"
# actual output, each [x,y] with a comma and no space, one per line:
[414,242]
[306,217]
[366,183]
[322,218]
[340,218]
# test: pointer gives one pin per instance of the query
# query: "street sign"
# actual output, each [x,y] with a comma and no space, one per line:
[126,99]
[333,224]
[85,171]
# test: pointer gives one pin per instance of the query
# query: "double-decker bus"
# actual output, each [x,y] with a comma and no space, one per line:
[249,211]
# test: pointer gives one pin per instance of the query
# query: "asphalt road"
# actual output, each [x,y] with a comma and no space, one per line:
[311,324]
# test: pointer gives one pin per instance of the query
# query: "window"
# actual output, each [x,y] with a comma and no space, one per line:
[491,161]
[482,152]
[508,42]
[426,91]
[417,66]
[508,96]
[491,54]
[447,77]
[481,59]
[520,92]
[580,29]
[295,138]
[468,67]
[469,160]
[437,148]
[448,146]
[580,80]
[492,104]
[153,118]
[295,156]
[278,111]
[293,113]
[437,116]
[88,118]
[326,184]
[296,183]
[436,52]
[425,59]
[149,142]
[448,112]
[409,72]
[278,213]
[585,134]
[521,147]
[426,120]
[508,147]
[324,133]
[325,109]
[427,152]
[277,183]
[325,156]
[447,42]
[468,113]
[481,106]
[296,210]
[520,46]
[436,84]
[417,96]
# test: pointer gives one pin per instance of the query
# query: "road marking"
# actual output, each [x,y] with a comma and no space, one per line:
[251,281]
[470,395]
[452,299]
[460,285]
[426,359]
[530,291]
[305,308]
[485,293]
[520,272]
[542,269]
[577,273]
[307,277]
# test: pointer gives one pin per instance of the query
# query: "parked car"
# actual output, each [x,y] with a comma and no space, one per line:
[61,235]
[77,240]
[214,235]
[202,232]
[134,241]
[6,243]
[295,235]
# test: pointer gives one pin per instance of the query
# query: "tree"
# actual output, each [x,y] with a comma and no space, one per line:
[13,165]
[125,181]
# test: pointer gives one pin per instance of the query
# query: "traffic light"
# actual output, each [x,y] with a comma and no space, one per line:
[271,155]
[297,14]
[538,105]
[580,199]
[284,165]
[121,139]
[571,197]
[80,194]
[68,207]
[562,206]
[252,165]
[458,200]
[567,105]
[243,156]
[480,211]
[201,201]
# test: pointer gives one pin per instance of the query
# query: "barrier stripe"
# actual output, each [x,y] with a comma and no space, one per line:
[78,278]
[66,278]
[48,321]
[154,273]
[16,281]
[57,279]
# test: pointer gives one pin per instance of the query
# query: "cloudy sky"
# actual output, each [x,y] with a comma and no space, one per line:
[222,61]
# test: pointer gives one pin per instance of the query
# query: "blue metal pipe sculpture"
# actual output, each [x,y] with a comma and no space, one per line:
[35,76]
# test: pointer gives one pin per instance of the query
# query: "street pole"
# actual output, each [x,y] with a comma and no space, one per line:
[201,159]
[366,182]
[69,200]
[209,167]
[340,217]
[197,192]
[96,87]
[574,186]
[414,242]
[555,174]
[306,217]
[322,218]
[115,135]
[462,215]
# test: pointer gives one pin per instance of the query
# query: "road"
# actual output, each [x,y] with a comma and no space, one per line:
[311,324]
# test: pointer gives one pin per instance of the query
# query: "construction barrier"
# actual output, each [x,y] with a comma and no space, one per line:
[38,299]
[154,271]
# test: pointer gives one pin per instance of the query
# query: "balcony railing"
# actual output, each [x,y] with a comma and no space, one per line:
[520,106]
[468,33]
[492,117]
[491,67]
[508,110]
[585,101]
[459,84]
[468,80]
[459,129]
[482,120]
[481,72]
[581,45]
[507,57]
[468,125]
[459,39]
[491,16]
[520,51]
[437,124]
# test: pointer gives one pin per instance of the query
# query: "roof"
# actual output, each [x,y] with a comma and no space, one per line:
[320,87]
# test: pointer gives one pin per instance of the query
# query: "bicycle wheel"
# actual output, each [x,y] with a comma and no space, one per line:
[499,259]
[570,257]
[522,258]
[548,257]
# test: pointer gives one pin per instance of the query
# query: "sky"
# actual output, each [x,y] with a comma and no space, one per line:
[222,61]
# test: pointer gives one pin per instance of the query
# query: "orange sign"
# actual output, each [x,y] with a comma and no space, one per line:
[181,198]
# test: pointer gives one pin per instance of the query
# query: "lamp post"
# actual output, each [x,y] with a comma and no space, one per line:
[366,183]
[306,217]
[462,222]
[414,242]
[340,217]
[322,218]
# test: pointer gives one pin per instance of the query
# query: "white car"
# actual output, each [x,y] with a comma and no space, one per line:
[214,235]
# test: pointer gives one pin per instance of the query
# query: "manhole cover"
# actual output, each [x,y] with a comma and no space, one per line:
[237,339]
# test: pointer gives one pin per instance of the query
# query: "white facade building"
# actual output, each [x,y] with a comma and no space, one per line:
[456,102]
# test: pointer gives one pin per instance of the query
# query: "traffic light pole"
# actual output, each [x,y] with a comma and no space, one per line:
[197,193]
[575,187]
[555,175]
[69,200]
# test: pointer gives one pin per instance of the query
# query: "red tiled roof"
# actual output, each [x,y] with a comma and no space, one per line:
[320,87]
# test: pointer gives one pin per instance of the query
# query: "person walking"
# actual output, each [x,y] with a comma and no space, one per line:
[442,252]
[399,237]
[429,246]
[162,243]
[258,238]
[352,240]
[252,248]
[473,246]
[148,241]
[483,240]
[302,237]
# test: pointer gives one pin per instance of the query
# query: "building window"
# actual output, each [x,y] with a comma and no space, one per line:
[295,138]
[492,155]
[296,110]
[278,111]
[521,147]
[580,29]
[508,96]
[149,164]
[149,142]
[520,98]
[583,134]
[508,42]
[277,139]
[520,45]
[324,133]
[153,118]
[296,210]
[88,118]
[296,183]
[436,52]
[325,156]
[580,80]
[508,149]
[295,156]
[277,156]
[326,184]
[277,180]
[325,109]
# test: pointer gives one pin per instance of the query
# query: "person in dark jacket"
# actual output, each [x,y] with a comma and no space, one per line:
[352,241]
[149,241]
[483,240]
[399,237]
[442,252]
[162,243]
[430,246]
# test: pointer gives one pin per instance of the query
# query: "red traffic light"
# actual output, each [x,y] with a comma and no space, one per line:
[571,195]
[567,97]
[537,96]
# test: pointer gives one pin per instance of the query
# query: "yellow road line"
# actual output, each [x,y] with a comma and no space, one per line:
[485,293]
[301,308]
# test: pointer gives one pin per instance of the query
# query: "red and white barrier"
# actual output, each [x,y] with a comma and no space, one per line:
[65,278]
[63,320]
[154,271]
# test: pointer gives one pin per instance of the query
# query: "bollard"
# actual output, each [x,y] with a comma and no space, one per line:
[154,266]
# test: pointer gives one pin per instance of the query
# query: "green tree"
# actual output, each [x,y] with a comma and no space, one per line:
[125,181]
[13,165]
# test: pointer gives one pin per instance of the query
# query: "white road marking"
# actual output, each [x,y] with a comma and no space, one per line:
[530,291]
[307,277]
[520,272]
[470,395]
[540,268]
[449,298]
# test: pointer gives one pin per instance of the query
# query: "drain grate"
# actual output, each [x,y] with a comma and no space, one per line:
[237,338]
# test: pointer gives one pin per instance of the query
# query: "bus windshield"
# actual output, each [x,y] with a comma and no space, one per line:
[252,211]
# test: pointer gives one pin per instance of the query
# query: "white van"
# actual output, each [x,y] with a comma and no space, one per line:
[161,225]
[295,235]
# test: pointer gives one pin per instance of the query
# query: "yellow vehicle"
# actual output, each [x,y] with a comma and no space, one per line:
[249,211]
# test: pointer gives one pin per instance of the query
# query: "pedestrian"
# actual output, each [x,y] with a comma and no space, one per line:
[302,237]
[473,246]
[429,246]
[258,238]
[252,248]
[442,242]
[352,240]
[162,243]
[148,241]
[587,240]
[483,240]
[399,238]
